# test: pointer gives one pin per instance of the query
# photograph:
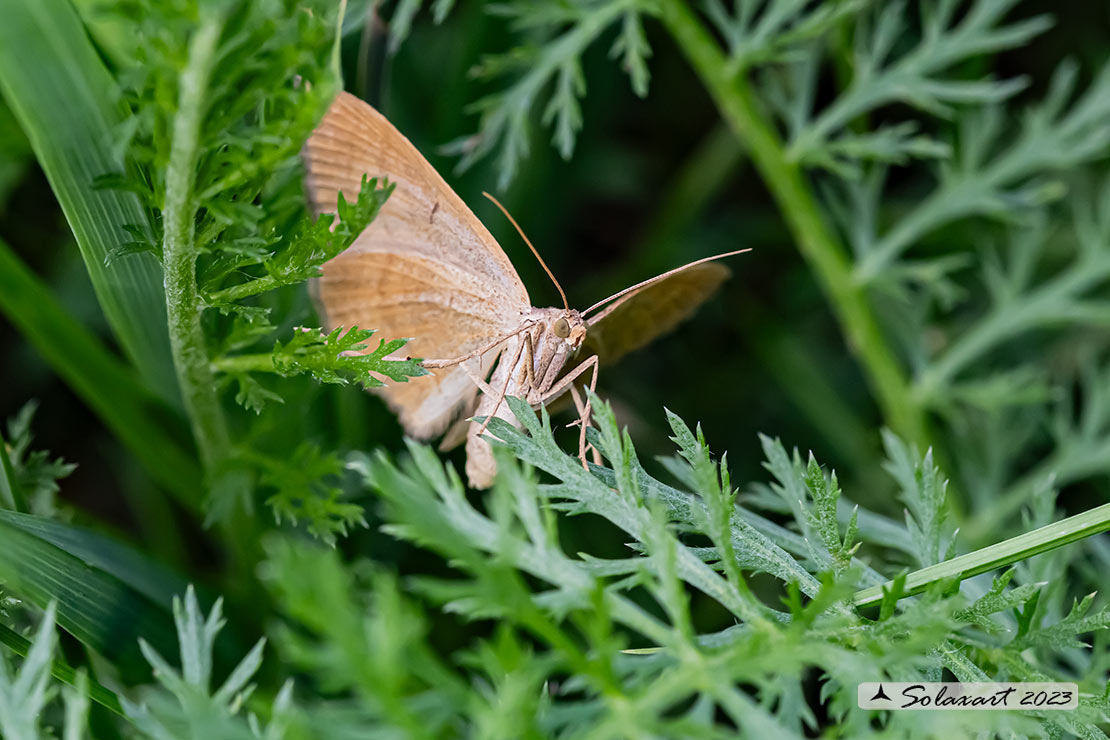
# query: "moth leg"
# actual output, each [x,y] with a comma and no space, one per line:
[583,418]
[526,341]
[436,364]
[580,406]
[530,364]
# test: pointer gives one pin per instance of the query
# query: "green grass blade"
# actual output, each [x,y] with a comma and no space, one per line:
[105,383]
[146,577]
[98,607]
[61,670]
[110,29]
[68,105]
[1004,553]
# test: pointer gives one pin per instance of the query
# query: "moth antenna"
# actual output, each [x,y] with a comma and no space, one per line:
[657,278]
[538,257]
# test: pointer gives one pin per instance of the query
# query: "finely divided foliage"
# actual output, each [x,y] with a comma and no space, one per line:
[713,608]
[607,646]
[221,114]
[29,477]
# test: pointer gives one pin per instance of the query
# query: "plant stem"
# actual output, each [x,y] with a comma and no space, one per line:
[244,290]
[183,308]
[257,363]
[190,353]
[1004,553]
[819,246]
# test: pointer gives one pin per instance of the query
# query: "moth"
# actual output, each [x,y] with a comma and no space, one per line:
[427,268]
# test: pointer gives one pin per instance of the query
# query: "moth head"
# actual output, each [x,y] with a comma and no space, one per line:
[570,327]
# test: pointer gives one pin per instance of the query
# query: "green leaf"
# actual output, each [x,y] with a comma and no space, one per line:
[107,596]
[923,490]
[339,356]
[105,384]
[252,395]
[825,493]
[310,244]
[307,491]
[505,125]
[61,670]
[631,47]
[23,696]
[998,599]
[130,566]
[357,629]
[68,105]
[34,475]
[198,707]
[1063,634]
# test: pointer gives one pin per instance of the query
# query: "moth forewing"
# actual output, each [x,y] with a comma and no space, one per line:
[637,317]
[425,268]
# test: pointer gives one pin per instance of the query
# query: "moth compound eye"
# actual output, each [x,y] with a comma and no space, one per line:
[561,328]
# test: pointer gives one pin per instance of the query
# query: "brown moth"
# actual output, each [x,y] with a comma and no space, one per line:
[427,268]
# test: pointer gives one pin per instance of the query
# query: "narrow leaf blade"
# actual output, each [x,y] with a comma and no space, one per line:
[67,103]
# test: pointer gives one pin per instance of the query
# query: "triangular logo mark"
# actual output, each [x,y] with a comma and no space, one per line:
[880,694]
